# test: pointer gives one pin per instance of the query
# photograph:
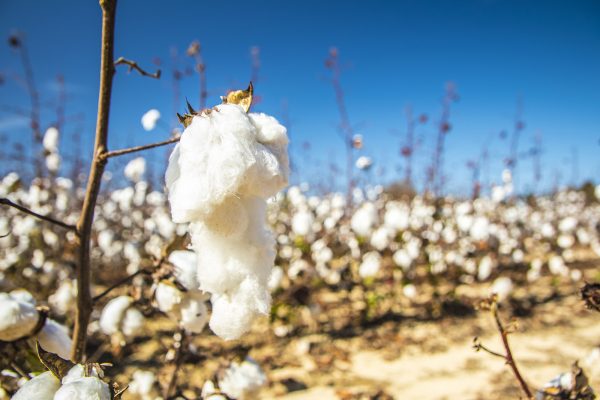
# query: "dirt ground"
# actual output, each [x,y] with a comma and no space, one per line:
[440,362]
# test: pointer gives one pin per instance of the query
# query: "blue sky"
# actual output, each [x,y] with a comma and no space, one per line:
[395,53]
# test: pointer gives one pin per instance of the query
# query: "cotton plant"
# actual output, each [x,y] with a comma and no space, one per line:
[220,175]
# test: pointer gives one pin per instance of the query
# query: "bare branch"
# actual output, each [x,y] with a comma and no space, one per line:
[133,65]
[86,218]
[123,281]
[492,305]
[47,218]
[114,153]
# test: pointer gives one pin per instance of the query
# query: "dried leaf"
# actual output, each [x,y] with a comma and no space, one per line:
[240,97]
[58,366]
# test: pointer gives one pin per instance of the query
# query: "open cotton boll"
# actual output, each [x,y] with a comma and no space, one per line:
[64,298]
[364,219]
[185,263]
[370,266]
[149,119]
[53,161]
[485,267]
[17,318]
[167,296]
[55,338]
[142,384]
[50,141]
[193,312]
[210,162]
[241,381]
[302,222]
[134,170]
[85,388]
[275,278]
[380,238]
[132,323]
[502,287]
[118,317]
[41,387]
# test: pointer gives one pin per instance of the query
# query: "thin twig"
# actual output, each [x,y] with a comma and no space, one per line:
[509,357]
[47,218]
[133,65]
[123,281]
[121,152]
[479,346]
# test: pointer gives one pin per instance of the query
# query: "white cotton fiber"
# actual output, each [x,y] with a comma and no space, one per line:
[42,387]
[86,388]
[55,338]
[225,167]
[17,318]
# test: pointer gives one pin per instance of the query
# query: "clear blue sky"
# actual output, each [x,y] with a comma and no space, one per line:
[395,53]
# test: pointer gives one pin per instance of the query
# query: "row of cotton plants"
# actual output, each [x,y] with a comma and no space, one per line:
[318,240]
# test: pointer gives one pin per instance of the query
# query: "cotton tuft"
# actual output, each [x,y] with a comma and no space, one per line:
[220,174]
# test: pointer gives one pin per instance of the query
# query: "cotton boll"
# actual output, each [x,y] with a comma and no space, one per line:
[133,322]
[484,270]
[149,119]
[185,263]
[241,381]
[275,278]
[210,163]
[55,338]
[53,162]
[86,388]
[557,266]
[42,387]
[565,241]
[17,318]
[370,266]
[410,291]
[402,259]
[113,313]
[142,384]
[63,299]
[502,287]
[134,170]
[194,314]
[364,162]
[380,238]
[167,296]
[363,219]
[302,222]
[50,140]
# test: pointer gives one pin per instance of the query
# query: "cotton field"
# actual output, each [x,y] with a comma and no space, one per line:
[165,251]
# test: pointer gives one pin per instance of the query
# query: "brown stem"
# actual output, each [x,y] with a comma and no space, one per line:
[509,357]
[84,225]
[133,65]
[121,152]
[47,218]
